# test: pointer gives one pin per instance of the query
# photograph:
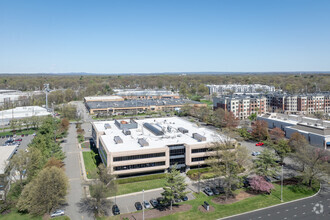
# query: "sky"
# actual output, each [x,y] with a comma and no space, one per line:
[140,36]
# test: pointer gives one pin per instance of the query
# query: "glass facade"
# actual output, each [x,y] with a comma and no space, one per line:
[198,159]
[137,157]
[103,154]
[138,166]
[200,150]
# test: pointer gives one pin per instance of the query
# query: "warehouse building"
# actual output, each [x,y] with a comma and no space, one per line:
[131,147]
[316,131]
[109,98]
[139,106]
[6,153]
[146,94]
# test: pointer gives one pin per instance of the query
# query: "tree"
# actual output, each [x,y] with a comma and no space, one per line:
[53,162]
[265,164]
[243,132]
[65,124]
[277,133]
[230,121]
[175,186]
[227,162]
[44,193]
[253,117]
[297,140]
[282,149]
[260,130]
[35,163]
[313,163]
[259,184]
[20,162]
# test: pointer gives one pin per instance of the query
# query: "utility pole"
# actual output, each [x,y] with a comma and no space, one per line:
[282,185]
[46,87]
[199,178]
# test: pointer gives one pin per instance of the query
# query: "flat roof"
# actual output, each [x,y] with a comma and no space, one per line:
[144,92]
[171,134]
[100,98]
[139,103]
[6,152]
[23,112]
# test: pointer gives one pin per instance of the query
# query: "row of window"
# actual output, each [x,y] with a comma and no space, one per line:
[138,166]
[200,150]
[196,159]
[137,157]
[177,152]
[177,161]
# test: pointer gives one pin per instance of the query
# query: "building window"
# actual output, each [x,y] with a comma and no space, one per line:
[200,150]
[137,157]
[196,159]
[138,166]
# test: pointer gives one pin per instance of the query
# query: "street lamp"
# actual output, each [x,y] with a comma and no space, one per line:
[282,185]
[143,204]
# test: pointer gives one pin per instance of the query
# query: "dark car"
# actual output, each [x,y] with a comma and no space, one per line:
[208,191]
[220,189]
[267,179]
[138,206]
[246,182]
[115,210]
[215,191]
[185,198]
[154,203]
[160,200]
[277,177]
[177,198]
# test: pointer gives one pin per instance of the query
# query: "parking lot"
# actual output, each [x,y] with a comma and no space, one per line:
[23,144]
[126,202]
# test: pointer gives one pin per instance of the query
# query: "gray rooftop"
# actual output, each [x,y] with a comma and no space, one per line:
[6,152]
[139,103]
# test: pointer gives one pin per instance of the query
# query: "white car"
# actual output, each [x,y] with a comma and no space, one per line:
[57,213]
[255,153]
[146,204]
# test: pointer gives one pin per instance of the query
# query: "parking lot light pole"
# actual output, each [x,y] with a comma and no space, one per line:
[282,185]
[143,204]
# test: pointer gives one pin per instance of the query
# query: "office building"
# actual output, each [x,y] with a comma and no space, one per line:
[6,172]
[131,147]
[146,94]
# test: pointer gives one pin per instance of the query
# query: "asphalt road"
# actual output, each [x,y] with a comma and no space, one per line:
[74,173]
[314,208]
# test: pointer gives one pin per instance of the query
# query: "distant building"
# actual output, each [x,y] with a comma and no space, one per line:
[139,106]
[130,147]
[6,153]
[22,112]
[241,106]
[146,94]
[110,98]
[316,131]
[239,89]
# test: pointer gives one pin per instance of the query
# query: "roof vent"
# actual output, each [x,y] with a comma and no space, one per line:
[143,142]
[107,126]
[126,131]
[118,140]
[198,137]
[183,130]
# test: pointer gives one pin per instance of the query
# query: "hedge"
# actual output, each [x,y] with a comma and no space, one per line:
[141,178]
[201,170]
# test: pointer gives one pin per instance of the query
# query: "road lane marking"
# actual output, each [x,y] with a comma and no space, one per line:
[259,217]
[295,216]
[285,218]
[268,214]
[278,212]
[287,210]
[304,205]
[295,207]
[304,213]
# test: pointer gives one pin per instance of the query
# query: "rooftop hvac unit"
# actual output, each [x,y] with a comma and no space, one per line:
[183,130]
[118,140]
[143,142]
[126,131]
[198,137]
[107,126]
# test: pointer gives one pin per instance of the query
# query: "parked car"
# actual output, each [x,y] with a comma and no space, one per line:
[220,189]
[177,198]
[267,179]
[277,177]
[208,191]
[185,198]
[255,153]
[154,203]
[138,206]
[260,144]
[246,182]
[115,210]
[215,191]
[57,213]
[146,204]
[19,139]
[22,135]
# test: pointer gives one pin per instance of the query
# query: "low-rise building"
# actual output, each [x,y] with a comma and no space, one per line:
[239,89]
[6,153]
[139,106]
[132,147]
[146,94]
[316,131]
[109,98]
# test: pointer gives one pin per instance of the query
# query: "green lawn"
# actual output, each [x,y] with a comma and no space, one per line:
[90,161]
[18,216]
[139,186]
[20,132]
[209,103]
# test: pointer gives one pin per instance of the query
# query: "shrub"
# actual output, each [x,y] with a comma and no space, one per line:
[259,184]
[141,178]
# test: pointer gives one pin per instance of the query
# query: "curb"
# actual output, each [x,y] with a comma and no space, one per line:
[256,210]
[134,193]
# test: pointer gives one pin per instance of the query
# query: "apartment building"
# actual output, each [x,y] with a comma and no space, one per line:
[241,106]
[316,131]
[239,89]
[139,106]
[131,147]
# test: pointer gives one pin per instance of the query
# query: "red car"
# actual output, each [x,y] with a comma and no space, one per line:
[259,144]
[20,139]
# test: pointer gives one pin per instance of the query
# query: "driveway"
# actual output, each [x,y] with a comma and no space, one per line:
[74,173]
